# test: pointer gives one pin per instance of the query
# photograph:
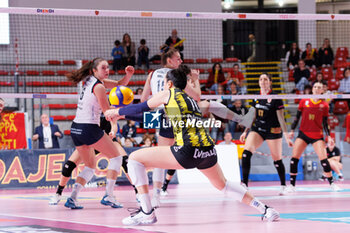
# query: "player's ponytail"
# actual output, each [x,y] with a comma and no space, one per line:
[168,54]
[84,71]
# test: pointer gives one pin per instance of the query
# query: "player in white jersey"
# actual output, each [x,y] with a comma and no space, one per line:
[75,158]
[86,133]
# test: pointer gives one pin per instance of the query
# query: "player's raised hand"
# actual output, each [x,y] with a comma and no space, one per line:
[129,70]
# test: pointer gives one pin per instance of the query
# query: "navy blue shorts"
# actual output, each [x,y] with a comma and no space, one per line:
[85,134]
[195,157]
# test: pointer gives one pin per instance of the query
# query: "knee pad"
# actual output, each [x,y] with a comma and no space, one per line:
[115,163]
[294,165]
[171,172]
[246,157]
[278,163]
[235,190]
[87,173]
[125,163]
[326,166]
[68,168]
[158,175]
[137,173]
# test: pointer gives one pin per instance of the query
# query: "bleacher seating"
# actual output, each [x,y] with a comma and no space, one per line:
[333,84]
[341,107]
[69,62]
[327,73]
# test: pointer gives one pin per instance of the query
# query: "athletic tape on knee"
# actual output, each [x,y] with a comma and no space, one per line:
[294,165]
[125,163]
[87,173]
[115,163]
[218,109]
[68,168]
[171,172]
[326,166]
[137,173]
[158,175]
[235,190]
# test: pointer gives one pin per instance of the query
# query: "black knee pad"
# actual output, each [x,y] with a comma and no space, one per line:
[246,156]
[294,165]
[171,172]
[278,163]
[326,166]
[68,168]
[125,163]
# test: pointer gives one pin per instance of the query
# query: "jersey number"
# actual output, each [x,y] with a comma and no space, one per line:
[260,113]
[160,85]
[82,93]
[311,117]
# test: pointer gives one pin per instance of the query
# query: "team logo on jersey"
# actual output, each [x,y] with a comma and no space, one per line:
[151,120]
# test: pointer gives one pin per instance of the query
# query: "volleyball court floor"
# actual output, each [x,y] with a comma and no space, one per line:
[187,208]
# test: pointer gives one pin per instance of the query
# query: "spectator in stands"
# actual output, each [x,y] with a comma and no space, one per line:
[129,50]
[325,54]
[218,133]
[328,92]
[344,86]
[147,142]
[233,91]
[216,77]
[308,89]
[174,42]
[138,92]
[129,131]
[301,76]
[47,134]
[128,142]
[293,56]
[320,77]
[143,52]
[310,56]
[240,109]
[117,54]
[227,139]
[252,48]
[236,76]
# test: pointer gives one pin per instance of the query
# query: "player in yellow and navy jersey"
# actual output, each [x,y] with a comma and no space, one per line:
[193,148]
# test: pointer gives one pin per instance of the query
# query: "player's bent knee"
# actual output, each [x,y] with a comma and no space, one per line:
[326,166]
[294,165]
[115,163]
[68,168]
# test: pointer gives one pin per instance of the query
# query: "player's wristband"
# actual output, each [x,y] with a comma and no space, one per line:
[134,109]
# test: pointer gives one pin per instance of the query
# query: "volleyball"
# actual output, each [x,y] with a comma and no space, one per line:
[121,96]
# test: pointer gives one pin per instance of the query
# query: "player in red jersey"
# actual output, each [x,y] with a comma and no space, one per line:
[314,113]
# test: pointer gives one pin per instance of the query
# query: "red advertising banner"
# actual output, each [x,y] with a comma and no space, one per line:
[12,131]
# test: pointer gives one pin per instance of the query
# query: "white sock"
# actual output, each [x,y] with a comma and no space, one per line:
[76,189]
[110,187]
[145,202]
[258,205]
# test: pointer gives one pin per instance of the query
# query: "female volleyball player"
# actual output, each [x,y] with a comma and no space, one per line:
[313,113]
[193,148]
[268,126]
[86,133]
[75,160]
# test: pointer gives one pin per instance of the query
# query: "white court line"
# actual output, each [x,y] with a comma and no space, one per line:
[65,221]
